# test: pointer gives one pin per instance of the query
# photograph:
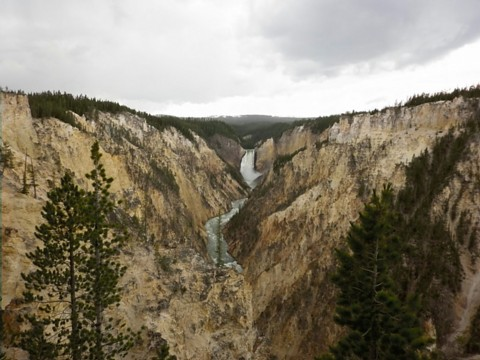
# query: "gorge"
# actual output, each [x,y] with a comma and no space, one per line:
[303,188]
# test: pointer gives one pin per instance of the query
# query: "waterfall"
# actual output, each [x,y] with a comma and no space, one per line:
[247,168]
[217,246]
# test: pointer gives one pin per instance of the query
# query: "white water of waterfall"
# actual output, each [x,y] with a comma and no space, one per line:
[217,246]
[247,168]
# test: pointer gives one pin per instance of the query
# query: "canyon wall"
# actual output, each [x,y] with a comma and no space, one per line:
[229,150]
[169,187]
[303,209]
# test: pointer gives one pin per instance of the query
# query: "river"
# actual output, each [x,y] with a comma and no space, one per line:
[217,247]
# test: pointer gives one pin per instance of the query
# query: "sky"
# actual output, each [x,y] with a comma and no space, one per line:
[303,58]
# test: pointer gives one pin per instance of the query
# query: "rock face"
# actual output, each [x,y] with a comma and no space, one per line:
[165,181]
[303,210]
[289,142]
[228,149]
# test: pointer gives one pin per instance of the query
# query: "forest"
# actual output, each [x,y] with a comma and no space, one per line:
[59,105]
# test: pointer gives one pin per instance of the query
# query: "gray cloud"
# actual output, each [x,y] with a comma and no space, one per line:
[153,50]
[239,55]
[327,35]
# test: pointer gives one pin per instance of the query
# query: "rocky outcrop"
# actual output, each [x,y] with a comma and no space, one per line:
[303,210]
[164,180]
[229,150]
[290,141]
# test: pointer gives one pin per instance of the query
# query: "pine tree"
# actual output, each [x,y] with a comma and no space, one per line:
[57,285]
[381,325]
[6,157]
[24,181]
[105,240]
[35,341]
[76,277]
[163,353]
[33,182]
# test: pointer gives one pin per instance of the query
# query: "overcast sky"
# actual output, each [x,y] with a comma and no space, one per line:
[230,57]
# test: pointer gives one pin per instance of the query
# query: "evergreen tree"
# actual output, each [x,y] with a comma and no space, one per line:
[35,341]
[76,277]
[472,346]
[381,325]
[33,178]
[57,285]
[6,157]
[163,353]
[24,181]
[103,270]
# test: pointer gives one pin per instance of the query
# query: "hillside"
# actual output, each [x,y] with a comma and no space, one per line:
[315,185]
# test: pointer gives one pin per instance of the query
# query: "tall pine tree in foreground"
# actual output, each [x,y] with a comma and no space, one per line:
[380,324]
[56,286]
[75,283]
[103,271]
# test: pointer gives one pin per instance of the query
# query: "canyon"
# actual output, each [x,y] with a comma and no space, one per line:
[312,185]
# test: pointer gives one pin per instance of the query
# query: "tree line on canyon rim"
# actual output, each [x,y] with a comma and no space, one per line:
[60,105]
[410,258]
